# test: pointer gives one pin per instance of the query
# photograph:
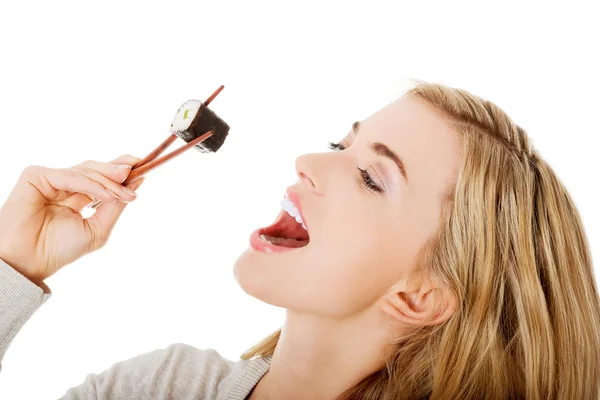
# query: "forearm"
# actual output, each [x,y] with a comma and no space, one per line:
[19,299]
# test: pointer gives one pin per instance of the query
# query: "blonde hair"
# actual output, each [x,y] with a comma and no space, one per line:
[512,248]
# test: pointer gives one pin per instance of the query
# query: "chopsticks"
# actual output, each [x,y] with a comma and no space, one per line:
[172,137]
[151,162]
[142,170]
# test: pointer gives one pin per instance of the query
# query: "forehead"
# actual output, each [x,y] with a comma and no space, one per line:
[421,136]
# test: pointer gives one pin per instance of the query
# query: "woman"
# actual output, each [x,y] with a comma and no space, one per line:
[440,258]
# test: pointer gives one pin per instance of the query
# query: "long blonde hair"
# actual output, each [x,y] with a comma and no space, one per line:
[512,248]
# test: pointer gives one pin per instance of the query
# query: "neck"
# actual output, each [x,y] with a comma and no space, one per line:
[319,358]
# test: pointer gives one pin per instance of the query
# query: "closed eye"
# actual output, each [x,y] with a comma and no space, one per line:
[364,178]
[336,146]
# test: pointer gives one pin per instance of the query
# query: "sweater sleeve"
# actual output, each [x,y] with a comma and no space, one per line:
[19,299]
[179,371]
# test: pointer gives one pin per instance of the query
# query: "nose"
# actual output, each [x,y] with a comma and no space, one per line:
[306,171]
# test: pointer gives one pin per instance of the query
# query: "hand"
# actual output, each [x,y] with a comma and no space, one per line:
[41,226]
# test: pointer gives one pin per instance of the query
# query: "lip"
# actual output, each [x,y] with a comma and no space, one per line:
[295,199]
[260,245]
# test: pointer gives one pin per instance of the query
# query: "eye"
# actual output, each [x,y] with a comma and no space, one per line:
[367,182]
[364,178]
[335,146]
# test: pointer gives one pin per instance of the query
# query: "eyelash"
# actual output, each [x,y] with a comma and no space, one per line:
[335,146]
[365,178]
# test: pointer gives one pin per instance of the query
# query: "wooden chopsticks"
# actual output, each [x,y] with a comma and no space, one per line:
[151,162]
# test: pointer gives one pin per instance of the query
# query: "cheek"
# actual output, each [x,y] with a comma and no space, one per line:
[354,270]
[370,261]
[328,279]
[346,268]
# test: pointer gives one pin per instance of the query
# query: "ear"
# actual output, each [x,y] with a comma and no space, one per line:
[423,304]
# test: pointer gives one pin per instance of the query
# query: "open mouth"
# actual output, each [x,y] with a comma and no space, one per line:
[289,230]
[286,232]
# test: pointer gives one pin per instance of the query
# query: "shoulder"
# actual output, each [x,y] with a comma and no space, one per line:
[190,365]
[179,371]
[207,372]
[183,351]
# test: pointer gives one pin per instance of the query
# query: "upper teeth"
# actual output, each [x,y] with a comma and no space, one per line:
[291,209]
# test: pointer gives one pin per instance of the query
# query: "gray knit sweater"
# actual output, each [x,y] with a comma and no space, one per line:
[177,372]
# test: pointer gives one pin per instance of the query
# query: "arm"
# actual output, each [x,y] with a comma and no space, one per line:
[42,230]
[19,299]
[178,372]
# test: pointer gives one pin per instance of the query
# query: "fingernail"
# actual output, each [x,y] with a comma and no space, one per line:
[113,194]
[129,191]
[137,183]
[125,167]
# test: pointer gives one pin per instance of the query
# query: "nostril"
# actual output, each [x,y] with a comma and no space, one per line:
[305,177]
[304,170]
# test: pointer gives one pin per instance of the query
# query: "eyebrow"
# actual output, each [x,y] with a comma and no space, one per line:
[382,150]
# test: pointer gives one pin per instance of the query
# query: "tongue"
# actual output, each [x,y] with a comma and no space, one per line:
[283,242]
[289,228]
[287,232]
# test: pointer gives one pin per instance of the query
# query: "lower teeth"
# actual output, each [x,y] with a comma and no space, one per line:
[277,241]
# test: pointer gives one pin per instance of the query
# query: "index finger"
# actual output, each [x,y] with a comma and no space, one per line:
[47,185]
[126,159]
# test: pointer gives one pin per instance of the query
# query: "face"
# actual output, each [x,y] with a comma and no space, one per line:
[369,206]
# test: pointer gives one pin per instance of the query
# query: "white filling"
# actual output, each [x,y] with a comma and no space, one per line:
[291,209]
[185,115]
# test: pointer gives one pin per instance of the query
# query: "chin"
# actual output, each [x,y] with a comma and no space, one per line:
[266,278]
[242,271]
[251,275]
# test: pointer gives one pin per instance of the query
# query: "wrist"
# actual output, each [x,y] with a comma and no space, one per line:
[14,263]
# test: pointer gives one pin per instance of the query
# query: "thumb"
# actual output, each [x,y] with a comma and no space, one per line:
[107,215]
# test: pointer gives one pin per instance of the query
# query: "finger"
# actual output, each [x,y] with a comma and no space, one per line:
[56,184]
[126,159]
[116,170]
[79,201]
[122,192]
[106,216]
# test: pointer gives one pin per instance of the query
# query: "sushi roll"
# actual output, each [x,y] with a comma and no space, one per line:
[194,119]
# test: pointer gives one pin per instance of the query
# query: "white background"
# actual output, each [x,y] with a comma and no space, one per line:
[94,80]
